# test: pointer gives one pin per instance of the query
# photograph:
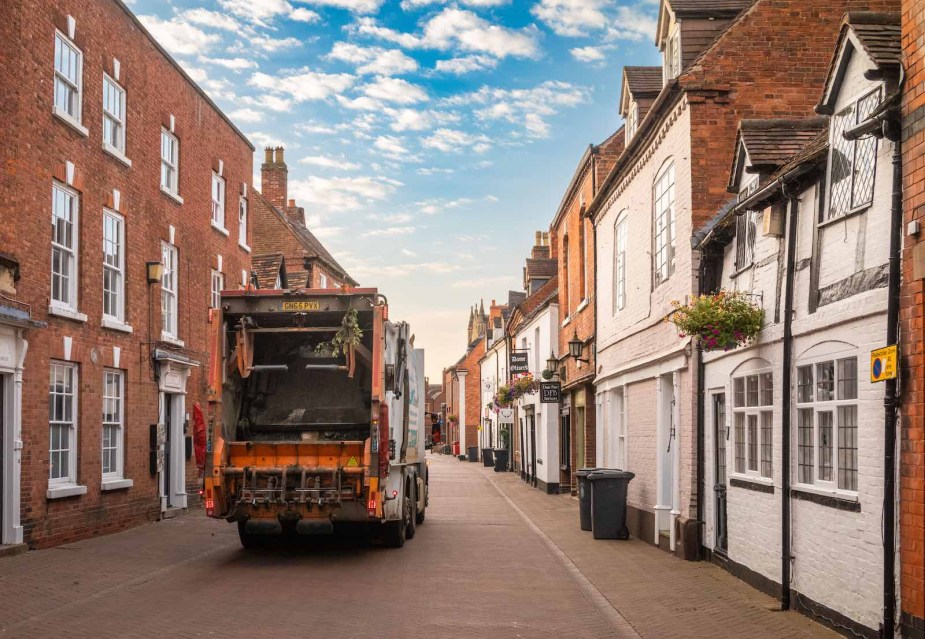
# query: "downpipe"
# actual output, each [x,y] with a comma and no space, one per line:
[786,404]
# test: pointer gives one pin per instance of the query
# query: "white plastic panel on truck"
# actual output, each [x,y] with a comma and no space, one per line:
[417,434]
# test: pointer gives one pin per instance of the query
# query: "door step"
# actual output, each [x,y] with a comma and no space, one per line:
[9,550]
[170,513]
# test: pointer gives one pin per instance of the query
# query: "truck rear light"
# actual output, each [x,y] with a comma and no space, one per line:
[210,507]
[371,505]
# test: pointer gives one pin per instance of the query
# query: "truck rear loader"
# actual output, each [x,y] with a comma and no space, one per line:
[316,416]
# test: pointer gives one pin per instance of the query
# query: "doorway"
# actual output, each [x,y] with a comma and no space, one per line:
[667,445]
[531,421]
[720,435]
[579,421]
[173,470]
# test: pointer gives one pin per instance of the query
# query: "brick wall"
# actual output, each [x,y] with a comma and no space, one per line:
[473,393]
[38,145]
[912,451]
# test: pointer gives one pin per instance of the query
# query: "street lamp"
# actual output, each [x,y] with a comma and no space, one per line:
[155,271]
[552,362]
[575,347]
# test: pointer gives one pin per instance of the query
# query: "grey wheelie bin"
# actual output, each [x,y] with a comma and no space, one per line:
[488,458]
[608,503]
[473,453]
[584,497]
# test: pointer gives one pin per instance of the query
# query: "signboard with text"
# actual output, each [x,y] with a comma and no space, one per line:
[883,364]
[550,393]
[506,416]
[519,363]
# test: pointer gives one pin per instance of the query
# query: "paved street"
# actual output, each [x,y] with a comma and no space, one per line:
[479,566]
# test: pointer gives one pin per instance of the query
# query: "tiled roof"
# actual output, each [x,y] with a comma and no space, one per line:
[709,7]
[544,294]
[813,151]
[541,268]
[879,34]
[643,80]
[773,142]
[266,268]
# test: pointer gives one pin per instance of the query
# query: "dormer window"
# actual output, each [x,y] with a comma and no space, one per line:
[632,120]
[672,55]
[852,163]
[746,230]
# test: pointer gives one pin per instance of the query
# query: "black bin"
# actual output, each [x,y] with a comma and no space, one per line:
[584,496]
[500,460]
[488,458]
[608,503]
[473,452]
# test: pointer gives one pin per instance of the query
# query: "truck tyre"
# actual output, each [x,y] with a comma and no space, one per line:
[419,514]
[249,541]
[412,506]
[393,532]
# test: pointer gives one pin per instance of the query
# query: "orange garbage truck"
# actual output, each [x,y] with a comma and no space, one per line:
[316,416]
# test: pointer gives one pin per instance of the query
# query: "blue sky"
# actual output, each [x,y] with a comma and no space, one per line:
[426,139]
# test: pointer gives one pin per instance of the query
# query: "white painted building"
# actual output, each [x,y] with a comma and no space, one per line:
[494,374]
[841,209]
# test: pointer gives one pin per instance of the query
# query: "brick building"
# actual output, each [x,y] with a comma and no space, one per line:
[134,166]
[573,235]
[722,62]
[912,333]
[279,228]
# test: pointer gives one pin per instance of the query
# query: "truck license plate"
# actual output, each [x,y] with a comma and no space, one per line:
[301,306]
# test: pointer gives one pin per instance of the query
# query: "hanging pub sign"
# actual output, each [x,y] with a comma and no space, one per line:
[550,393]
[506,416]
[519,363]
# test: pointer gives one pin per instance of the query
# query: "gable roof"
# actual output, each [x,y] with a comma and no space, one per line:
[267,268]
[708,7]
[541,268]
[643,80]
[768,144]
[878,35]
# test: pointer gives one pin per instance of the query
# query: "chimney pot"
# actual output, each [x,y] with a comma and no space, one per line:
[279,155]
[268,155]
[539,239]
[292,203]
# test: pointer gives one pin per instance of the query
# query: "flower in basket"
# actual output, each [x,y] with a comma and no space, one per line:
[453,418]
[724,320]
[524,385]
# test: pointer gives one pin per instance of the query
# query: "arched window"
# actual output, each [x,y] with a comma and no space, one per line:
[563,285]
[583,273]
[664,227]
[619,262]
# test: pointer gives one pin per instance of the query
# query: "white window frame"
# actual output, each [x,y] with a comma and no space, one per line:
[323,280]
[118,424]
[663,227]
[746,230]
[169,292]
[114,119]
[620,237]
[73,84]
[170,163]
[69,253]
[217,286]
[69,424]
[832,407]
[617,410]
[632,119]
[117,269]
[218,203]
[846,119]
[672,60]
[761,441]
[242,223]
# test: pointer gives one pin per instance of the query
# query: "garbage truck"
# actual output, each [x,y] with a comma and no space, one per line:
[316,416]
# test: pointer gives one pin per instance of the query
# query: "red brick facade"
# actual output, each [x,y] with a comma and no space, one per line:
[912,337]
[43,149]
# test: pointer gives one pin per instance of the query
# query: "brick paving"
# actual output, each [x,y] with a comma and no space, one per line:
[477,568]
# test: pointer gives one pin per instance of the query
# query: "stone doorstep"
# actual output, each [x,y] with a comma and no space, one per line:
[170,513]
[10,550]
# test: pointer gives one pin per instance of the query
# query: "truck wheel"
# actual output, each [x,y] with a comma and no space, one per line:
[410,515]
[393,533]
[249,540]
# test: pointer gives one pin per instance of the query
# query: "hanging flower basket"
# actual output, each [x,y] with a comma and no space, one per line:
[509,393]
[453,419]
[723,321]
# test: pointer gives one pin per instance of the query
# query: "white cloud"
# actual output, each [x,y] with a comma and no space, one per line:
[589,54]
[403,270]
[246,115]
[390,231]
[213,19]
[411,5]
[354,6]
[304,15]
[198,75]
[448,140]
[430,170]
[235,64]
[316,128]
[362,103]
[392,148]
[261,139]
[271,45]
[259,12]
[466,64]
[373,60]
[342,193]
[572,17]
[328,162]
[303,85]
[485,282]
[408,119]
[178,36]
[394,90]
[632,23]
[458,29]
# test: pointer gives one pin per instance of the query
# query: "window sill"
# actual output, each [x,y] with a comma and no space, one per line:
[71,122]
[244,247]
[173,196]
[828,498]
[582,306]
[62,491]
[117,154]
[67,313]
[220,229]
[757,484]
[116,325]
[844,216]
[116,484]
[744,269]
[566,321]
[170,339]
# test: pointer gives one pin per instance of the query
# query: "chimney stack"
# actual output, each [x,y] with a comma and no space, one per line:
[274,177]
[539,239]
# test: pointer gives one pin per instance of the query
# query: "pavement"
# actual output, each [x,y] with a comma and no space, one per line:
[494,558]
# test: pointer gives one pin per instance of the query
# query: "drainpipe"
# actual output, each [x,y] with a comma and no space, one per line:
[675,511]
[890,399]
[699,424]
[786,407]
